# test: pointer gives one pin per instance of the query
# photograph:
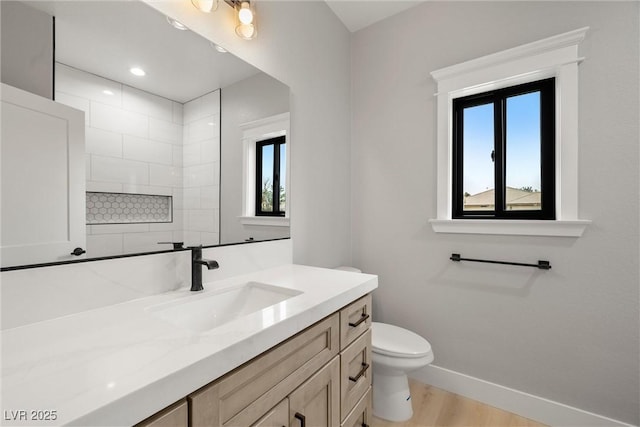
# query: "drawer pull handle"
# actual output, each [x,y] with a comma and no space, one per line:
[302,418]
[365,366]
[362,319]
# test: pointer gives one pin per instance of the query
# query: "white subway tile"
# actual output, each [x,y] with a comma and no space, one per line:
[166,131]
[201,129]
[210,151]
[145,242]
[166,176]
[191,238]
[86,85]
[201,220]
[210,197]
[119,228]
[146,103]
[145,150]
[191,155]
[178,113]
[191,198]
[104,187]
[192,111]
[178,198]
[118,170]
[117,120]
[178,156]
[208,239]
[200,175]
[102,142]
[147,189]
[211,102]
[104,245]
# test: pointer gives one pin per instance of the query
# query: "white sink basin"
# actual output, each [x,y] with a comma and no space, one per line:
[202,312]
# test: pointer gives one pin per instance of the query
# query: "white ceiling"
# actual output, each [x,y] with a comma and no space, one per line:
[107,38]
[357,14]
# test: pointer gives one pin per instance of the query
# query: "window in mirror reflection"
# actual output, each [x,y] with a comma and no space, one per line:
[271,177]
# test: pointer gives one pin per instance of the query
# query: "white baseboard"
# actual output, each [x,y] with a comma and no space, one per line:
[527,405]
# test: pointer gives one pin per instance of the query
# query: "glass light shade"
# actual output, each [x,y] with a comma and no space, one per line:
[246,31]
[205,6]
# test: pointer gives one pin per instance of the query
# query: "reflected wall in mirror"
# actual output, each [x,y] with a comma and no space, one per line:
[165,153]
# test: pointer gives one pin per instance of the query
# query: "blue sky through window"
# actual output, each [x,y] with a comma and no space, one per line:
[522,143]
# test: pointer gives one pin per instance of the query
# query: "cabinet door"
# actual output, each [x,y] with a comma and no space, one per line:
[277,417]
[43,179]
[316,403]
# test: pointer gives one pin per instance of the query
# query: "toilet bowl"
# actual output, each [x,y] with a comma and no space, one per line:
[395,352]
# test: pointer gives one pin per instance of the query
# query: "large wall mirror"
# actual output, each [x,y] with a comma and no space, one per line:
[170,156]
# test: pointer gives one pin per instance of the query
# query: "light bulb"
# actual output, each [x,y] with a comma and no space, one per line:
[245,15]
[205,6]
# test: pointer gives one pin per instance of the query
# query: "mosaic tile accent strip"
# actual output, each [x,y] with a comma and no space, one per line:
[122,208]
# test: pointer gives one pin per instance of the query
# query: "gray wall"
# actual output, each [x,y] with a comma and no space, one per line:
[254,98]
[569,334]
[27,59]
[305,46]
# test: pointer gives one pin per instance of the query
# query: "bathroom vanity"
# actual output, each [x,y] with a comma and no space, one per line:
[290,346]
[319,377]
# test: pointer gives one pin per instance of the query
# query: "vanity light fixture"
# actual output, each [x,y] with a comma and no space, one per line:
[245,15]
[206,6]
[246,21]
[177,24]
[137,71]
[107,92]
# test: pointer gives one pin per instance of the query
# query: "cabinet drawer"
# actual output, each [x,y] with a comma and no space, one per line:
[355,372]
[175,415]
[246,394]
[354,320]
[362,413]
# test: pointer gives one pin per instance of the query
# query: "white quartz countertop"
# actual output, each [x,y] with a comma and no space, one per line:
[119,364]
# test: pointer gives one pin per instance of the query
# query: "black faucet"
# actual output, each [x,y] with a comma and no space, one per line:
[196,269]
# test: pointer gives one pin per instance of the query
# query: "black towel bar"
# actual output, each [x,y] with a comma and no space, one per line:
[542,265]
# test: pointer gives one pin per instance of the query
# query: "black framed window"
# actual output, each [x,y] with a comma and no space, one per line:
[504,153]
[271,155]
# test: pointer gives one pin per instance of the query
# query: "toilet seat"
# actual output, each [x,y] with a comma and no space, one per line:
[398,342]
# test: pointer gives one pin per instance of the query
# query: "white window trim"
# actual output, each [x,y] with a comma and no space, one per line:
[258,130]
[555,56]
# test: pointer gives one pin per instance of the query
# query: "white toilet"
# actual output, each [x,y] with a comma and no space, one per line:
[395,351]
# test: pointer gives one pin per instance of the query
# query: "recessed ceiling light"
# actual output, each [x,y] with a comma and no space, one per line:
[177,24]
[136,71]
[107,92]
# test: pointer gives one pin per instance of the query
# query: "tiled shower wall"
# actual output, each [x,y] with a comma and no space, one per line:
[201,173]
[134,144]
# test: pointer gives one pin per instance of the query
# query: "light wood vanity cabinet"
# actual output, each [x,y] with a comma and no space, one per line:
[319,377]
[176,415]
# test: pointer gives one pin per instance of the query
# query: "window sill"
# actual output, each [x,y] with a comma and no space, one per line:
[573,228]
[272,221]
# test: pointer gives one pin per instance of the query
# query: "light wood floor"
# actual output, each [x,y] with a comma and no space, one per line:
[435,407]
